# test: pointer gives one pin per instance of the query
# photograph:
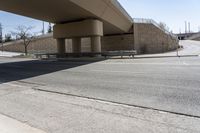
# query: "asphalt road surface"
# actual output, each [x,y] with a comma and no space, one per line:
[170,85]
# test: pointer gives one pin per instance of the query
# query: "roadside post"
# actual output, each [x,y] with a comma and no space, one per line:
[177,51]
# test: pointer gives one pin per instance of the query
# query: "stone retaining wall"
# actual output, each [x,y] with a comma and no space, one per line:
[47,44]
[150,39]
[147,38]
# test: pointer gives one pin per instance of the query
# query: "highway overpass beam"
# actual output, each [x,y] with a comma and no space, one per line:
[76,45]
[60,45]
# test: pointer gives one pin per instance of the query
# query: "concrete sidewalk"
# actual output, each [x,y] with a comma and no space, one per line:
[9,125]
[9,54]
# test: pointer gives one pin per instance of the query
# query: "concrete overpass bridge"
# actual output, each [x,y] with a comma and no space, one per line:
[195,36]
[75,19]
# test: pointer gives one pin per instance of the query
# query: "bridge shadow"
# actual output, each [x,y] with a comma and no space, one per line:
[20,70]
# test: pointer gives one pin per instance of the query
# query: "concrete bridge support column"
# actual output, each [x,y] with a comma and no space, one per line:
[96,43]
[76,45]
[76,30]
[61,45]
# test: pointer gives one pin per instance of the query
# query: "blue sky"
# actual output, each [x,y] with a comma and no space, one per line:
[11,21]
[172,12]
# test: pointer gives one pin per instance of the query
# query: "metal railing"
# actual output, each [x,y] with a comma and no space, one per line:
[151,21]
[122,53]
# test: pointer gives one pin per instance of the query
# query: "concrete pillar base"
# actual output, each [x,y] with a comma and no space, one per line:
[61,46]
[76,45]
[96,44]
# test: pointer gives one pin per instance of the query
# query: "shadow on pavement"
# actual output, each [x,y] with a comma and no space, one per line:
[20,70]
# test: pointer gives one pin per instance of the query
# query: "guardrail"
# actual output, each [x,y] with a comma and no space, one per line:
[122,53]
[151,21]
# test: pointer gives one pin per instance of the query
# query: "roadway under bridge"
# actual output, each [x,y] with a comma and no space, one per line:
[75,19]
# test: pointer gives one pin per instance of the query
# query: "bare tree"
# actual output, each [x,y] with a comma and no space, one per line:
[1,36]
[24,33]
[49,28]
[1,33]
[8,38]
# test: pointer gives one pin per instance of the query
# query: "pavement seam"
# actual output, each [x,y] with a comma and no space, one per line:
[121,114]
[30,83]
[130,105]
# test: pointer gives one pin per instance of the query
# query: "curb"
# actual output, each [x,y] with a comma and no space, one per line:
[166,56]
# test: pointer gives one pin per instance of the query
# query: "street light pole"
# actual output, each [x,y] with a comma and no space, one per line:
[177,54]
[177,50]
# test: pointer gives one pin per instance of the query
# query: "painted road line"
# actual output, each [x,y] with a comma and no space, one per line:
[109,71]
[9,125]
[186,64]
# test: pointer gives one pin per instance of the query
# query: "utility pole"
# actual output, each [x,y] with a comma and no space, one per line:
[185,26]
[189,27]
